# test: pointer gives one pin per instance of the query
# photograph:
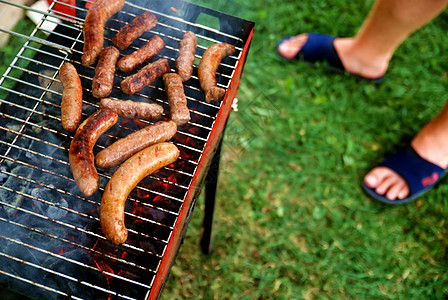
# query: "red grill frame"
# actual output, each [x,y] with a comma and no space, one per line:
[198,179]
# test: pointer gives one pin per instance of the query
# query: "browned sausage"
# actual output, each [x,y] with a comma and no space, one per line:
[131,31]
[124,180]
[185,57]
[207,70]
[133,109]
[71,105]
[96,18]
[176,98]
[125,147]
[81,149]
[145,76]
[141,56]
[103,81]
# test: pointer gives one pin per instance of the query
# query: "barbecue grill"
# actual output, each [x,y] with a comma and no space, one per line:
[51,245]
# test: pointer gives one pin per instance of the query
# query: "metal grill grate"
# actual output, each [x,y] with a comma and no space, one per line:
[50,241]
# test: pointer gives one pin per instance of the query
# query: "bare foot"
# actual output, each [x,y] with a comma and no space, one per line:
[431,144]
[355,59]
[290,47]
[387,183]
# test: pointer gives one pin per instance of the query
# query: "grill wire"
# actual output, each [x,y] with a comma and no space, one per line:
[25,149]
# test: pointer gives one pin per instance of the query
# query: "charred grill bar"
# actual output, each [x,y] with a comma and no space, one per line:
[51,245]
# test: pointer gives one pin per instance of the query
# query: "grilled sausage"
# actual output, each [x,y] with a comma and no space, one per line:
[125,147]
[207,70]
[96,18]
[141,56]
[185,57]
[176,98]
[131,31]
[124,180]
[133,109]
[71,105]
[145,76]
[103,81]
[81,149]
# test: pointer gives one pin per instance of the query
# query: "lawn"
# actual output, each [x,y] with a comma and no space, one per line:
[292,221]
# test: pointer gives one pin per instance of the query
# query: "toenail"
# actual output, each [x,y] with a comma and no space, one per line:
[380,191]
[402,195]
[370,180]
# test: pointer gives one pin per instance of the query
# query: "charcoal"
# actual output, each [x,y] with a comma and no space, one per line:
[18,185]
[46,208]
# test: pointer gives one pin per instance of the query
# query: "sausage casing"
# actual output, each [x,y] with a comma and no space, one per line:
[185,57]
[207,70]
[96,18]
[176,98]
[125,147]
[103,80]
[131,31]
[124,180]
[142,55]
[71,105]
[81,149]
[133,109]
[145,76]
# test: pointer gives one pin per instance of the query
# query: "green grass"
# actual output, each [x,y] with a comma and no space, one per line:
[292,221]
[10,51]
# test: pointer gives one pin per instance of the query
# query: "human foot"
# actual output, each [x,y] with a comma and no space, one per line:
[413,170]
[341,53]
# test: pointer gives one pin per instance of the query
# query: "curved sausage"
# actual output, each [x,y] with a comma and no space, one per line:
[96,18]
[80,154]
[133,109]
[125,147]
[124,180]
[176,98]
[103,81]
[71,105]
[207,70]
[132,31]
[145,76]
[142,55]
[185,57]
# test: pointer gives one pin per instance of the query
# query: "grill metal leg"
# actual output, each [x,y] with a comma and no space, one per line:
[211,183]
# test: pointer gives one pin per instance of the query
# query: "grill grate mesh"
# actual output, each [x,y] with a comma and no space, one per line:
[50,241]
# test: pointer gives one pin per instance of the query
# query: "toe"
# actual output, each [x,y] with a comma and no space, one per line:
[404,192]
[385,185]
[396,190]
[376,176]
[387,182]
[290,47]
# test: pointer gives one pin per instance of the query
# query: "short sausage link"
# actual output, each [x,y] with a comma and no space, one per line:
[142,55]
[124,180]
[71,105]
[103,81]
[185,57]
[96,18]
[207,70]
[81,149]
[145,76]
[176,98]
[132,31]
[125,147]
[133,109]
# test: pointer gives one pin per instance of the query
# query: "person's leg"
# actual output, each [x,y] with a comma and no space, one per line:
[388,24]
[431,143]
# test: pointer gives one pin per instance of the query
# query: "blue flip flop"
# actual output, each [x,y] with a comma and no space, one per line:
[320,48]
[420,174]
